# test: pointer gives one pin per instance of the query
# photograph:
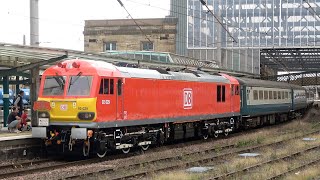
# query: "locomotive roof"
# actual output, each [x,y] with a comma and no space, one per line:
[264,83]
[155,74]
[105,68]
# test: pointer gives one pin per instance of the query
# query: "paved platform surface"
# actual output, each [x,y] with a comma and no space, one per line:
[5,135]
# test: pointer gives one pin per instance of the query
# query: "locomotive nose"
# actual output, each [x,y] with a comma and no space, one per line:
[80,109]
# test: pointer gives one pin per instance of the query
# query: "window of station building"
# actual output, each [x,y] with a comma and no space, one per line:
[255,95]
[270,95]
[110,46]
[279,94]
[282,95]
[274,94]
[221,93]
[147,46]
[286,95]
[266,95]
[260,95]
[106,86]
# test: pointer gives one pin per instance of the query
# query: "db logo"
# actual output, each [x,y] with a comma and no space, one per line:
[187,98]
[63,107]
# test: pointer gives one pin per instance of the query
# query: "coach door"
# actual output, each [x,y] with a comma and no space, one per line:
[120,106]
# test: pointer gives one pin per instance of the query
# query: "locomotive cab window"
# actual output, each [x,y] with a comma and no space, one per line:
[106,86]
[79,85]
[54,85]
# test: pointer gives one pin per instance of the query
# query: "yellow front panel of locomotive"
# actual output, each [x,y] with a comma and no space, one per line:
[66,110]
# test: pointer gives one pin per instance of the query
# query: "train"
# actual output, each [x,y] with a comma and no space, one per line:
[95,107]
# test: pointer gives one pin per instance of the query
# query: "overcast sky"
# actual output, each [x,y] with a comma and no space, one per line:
[62,21]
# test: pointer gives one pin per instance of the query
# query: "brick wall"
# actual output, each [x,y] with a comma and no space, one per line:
[127,36]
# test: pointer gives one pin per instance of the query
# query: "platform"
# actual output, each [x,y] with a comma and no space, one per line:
[6,136]
[18,145]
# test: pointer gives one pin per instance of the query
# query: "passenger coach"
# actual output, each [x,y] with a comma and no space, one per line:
[264,102]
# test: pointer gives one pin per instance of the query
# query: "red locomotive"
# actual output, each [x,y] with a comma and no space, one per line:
[104,107]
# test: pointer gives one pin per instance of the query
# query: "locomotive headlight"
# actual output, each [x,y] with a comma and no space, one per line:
[43,115]
[85,115]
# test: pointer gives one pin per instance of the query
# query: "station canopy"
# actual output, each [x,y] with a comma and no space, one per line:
[291,59]
[19,59]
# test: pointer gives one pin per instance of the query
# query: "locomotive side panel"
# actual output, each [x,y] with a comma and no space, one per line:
[176,100]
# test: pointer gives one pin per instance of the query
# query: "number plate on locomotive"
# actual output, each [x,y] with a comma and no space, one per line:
[43,121]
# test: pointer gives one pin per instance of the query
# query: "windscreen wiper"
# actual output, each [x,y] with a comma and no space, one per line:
[72,82]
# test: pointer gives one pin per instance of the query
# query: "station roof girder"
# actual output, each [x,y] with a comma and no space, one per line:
[291,59]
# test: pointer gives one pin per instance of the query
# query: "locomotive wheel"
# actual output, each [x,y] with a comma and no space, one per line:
[216,135]
[86,148]
[102,154]
[145,147]
[126,150]
[205,136]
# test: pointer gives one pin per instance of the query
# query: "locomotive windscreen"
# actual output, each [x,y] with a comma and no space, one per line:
[79,85]
[54,86]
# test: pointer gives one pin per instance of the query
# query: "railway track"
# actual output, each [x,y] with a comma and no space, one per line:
[114,172]
[14,170]
[53,165]
[283,158]
[24,164]
[316,161]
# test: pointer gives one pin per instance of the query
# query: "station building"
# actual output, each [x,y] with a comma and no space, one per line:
[124,35]
[269,33]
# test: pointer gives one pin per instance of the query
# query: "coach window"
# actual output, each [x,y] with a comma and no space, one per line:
[265,95]
[274,94]
[255,95]
[218,93]
[260,95]
[270,95]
